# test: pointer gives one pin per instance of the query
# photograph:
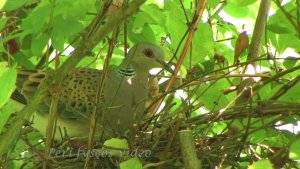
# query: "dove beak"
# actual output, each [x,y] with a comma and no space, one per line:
[165,65]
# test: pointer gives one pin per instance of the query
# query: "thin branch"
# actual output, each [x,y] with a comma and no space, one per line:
[285,88]
[98,96]
[193,28]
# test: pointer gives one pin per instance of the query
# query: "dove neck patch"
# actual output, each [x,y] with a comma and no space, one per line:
[126,72]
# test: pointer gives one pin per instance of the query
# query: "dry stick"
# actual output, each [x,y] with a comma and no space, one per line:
[125,32]
[282,154]
[98,97]
[184,108]
[125,39]
[93,26]
[188,150]
[34,149]
[259,111]
[152,165]
[50,132]
[254,50]
[202,78]
[257,87]
[187,44]
[192,30]
[9,139]
[183,53]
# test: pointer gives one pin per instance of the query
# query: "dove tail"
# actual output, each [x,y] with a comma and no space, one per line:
[28,82]
[23,77]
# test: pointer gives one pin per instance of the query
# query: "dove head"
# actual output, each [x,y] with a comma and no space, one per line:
[145,56]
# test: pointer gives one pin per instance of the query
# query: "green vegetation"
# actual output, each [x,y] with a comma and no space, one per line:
[233,99]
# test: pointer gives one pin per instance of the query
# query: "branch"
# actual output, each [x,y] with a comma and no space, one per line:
[192,30]
[188,150]
[259,28]
[244,88]
[260,110]
[9,139]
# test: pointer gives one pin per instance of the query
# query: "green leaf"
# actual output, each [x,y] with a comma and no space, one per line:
[23,60]
[3,23]
[283,41]
[258,136]
[218,127]
[38,43]
[292,95]
[261,164]
[211,94]
[155,14]
[208,66]
[2,49]
[38,20]
[213,3]
[89,61]
[2,3]
[242,3]
[227,27]
[133,163]
[280,19]
[277,28]
[11,5]
[236,11]
[8,78]
[202,46]
[117,143]
[268,90]
[139,21]
[175,22]
[58,39]
[71,9]
[144,34]
[276,138]
[288,135]
[5,112]
[67,26]
[294,153]
[288,41]
[289,62]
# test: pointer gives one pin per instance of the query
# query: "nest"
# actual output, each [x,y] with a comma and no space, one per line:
[158,145]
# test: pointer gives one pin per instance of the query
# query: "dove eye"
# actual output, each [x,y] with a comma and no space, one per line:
[148,52]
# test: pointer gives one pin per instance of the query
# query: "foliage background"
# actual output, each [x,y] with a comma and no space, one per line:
[39,34]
